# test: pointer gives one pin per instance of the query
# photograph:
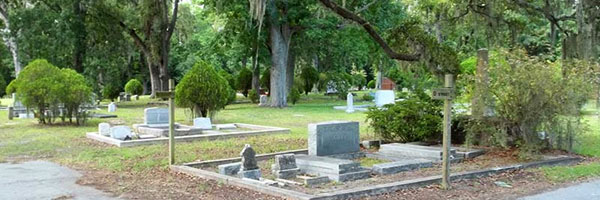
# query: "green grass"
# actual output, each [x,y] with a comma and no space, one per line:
[369,162]
[26,139]
[587,144]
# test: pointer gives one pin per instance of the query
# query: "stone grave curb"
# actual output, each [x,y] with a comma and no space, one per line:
[368,190]
[264,130]
[258,157]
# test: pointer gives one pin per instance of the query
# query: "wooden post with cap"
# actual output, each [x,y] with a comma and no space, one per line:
[449,85]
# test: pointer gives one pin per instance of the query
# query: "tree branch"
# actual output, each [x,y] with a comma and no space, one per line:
[346,14]
[171,28]
[365,7]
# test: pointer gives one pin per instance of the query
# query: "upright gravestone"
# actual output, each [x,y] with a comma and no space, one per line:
[112,107]
[203,123]
[383,97]
[349,103]
[262,100]
[249,168]
[285,166]
[333,138]
[156,116]
[104,129]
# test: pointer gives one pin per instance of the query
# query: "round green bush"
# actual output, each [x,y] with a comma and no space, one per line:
[110,91]
[134,87]
[367,97]
[202,90]
[294,95]
[244,81]
[253,95]
[227,76]
[310,77]
[371,84]
[417,118]
[75,93]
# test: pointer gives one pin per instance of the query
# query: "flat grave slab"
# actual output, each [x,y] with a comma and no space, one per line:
[400,166]
[409,150]
[246,130]
[336,169]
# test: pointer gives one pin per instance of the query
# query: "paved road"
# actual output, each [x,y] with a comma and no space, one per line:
[43,180]
[583,191]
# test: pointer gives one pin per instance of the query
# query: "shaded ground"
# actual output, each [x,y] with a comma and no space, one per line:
[44,180]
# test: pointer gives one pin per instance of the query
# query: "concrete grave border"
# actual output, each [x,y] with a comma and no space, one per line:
[360,191]
[257,130]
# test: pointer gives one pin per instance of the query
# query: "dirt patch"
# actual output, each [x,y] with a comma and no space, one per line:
[521,182]
[163,184]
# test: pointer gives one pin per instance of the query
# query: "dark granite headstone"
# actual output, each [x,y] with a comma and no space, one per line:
[248,158]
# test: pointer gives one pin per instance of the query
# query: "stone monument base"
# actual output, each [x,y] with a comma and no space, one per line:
[251,174]
[286,173]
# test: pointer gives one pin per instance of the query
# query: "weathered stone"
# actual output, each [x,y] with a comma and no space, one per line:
[263,100]
[248,158]
[400,166]
[10,113]
[285,161]
[310,181]
[414,151]
[335,137]
[371,143]
[156,116]
[120,132]
[286,173]
[251,174]
[349,103]
[203,123]
[112,107]
[225,126]
[336,169]
[104,129]
[384,97]
[230,169]
[26,116]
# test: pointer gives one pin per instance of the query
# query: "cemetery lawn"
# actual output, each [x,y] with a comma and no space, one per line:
[142,171]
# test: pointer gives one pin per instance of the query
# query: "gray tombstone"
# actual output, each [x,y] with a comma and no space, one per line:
[156,116]
[249,168]
[285,166]
[112,107]
[334,137]
[120,132]
[349,103]
[203,123]
[248,158]
[262,100]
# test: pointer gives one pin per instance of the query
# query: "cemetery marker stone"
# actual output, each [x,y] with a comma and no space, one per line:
[350,103]
[334,137]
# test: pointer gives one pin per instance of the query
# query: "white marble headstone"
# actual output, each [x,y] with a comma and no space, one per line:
[383,97]
[203,123]
[112,107]
[156,116]
[104,129]
[262,100]
[350,103]
[120,132]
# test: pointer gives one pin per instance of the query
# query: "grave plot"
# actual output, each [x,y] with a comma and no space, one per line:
[334,167]
[155,130]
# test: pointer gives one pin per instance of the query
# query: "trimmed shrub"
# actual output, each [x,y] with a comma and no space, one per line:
[202,90]
[111,91]
[294,95]
[341,82]
[134,87]
[11,88]
[75,93]
[253,95]
[371,84]
[309,77]
[244,81]
[417,118]
[359,81]
[367,97]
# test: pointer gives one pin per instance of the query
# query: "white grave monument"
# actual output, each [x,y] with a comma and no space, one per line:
[383,97]
[262,100]
[156,116]
[203,123]
[120,132]
[350,103]
[112,107]
[104,129]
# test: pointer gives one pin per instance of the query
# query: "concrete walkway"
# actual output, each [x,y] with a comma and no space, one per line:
[43,180]
[583,191]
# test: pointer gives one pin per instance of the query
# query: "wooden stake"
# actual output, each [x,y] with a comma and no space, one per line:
[448,83]
[171,122]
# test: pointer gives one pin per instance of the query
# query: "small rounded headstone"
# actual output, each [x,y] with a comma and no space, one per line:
[104,129]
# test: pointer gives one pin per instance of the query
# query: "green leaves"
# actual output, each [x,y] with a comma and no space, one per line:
[202,90]
[134,87]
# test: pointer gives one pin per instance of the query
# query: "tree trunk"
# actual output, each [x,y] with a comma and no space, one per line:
[279,62]
[291,66]
[80,32]
[9,40]
[255,74]
[154,77]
